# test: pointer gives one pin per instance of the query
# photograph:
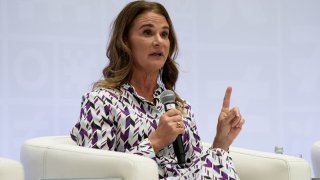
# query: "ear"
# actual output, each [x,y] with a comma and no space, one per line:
[126,42]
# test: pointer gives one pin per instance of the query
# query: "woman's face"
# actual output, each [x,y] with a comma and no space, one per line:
[149,42]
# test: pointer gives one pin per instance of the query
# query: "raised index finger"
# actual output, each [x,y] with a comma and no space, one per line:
[226,99]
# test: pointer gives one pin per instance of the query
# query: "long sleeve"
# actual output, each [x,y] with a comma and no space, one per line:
[95,128]
[212,158]
[104,123]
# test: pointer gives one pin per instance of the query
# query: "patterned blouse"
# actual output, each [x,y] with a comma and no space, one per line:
[121,120]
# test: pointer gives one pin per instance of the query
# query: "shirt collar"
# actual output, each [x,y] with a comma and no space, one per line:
[156,95]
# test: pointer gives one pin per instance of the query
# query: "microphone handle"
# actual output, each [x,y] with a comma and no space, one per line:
[177,144]
[179,151]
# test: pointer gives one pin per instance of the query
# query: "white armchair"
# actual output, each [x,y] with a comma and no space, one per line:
[315,157]
[11,170]
[58,157]
[257,165]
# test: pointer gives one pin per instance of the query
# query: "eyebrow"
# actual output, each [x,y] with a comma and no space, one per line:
[151,25]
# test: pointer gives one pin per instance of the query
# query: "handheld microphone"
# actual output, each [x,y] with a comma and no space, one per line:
[167,98]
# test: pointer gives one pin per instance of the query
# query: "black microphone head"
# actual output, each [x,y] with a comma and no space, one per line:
[167,97]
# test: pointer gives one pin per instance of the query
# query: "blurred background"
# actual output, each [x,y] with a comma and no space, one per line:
[51,51]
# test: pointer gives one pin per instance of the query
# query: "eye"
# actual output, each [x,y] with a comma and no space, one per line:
[147,32]
[165,34]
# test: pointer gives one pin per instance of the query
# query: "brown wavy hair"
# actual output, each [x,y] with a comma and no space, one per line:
[119,69]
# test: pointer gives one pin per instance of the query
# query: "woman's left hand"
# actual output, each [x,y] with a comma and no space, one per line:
[229,124]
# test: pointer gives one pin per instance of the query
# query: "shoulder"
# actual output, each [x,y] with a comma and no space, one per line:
[102,95]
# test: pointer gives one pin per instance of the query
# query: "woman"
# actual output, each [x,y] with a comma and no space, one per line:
[123,112]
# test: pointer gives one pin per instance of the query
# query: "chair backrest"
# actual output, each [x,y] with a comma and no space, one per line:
[58,157]
[315,157]
[11,170]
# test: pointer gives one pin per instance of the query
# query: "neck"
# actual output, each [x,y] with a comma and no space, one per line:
[145,84]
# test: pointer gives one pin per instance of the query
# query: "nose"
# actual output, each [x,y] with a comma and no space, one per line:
[157,41]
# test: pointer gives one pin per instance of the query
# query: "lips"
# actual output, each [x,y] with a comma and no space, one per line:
[156,54]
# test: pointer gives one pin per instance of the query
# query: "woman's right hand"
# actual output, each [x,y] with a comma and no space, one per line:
[169,127]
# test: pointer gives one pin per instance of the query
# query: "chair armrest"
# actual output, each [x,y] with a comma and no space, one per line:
[11,170]
[58,157]
[253,165]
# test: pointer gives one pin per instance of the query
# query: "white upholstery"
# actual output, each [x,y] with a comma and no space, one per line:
[10,170]
[60,157]
[315,157]
[257,165]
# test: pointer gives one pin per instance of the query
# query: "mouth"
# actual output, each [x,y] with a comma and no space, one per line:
[157,54]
